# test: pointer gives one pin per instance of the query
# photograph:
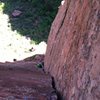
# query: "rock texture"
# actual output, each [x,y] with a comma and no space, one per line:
[16,13]
[73,51]
[22,80]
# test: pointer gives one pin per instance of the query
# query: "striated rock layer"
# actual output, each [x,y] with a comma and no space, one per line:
[73,51]
[22,80]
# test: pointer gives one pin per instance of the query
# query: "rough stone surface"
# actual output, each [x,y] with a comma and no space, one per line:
[73,51]
[22,80]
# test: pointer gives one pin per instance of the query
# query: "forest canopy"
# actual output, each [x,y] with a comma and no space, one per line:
[35,19]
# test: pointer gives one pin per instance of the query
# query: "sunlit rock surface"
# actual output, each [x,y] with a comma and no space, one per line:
[73,51]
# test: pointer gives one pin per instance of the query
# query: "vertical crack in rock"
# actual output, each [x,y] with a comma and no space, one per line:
[63,20]
[59,97]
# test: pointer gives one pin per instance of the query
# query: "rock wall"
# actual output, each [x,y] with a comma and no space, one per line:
[73,51]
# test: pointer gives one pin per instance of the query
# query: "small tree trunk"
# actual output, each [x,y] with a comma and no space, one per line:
[73,51]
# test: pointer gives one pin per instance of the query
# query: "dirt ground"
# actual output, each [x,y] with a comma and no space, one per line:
[22,80]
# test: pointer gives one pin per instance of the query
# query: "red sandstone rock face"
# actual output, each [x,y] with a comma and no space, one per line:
[73,51]
[22,80]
